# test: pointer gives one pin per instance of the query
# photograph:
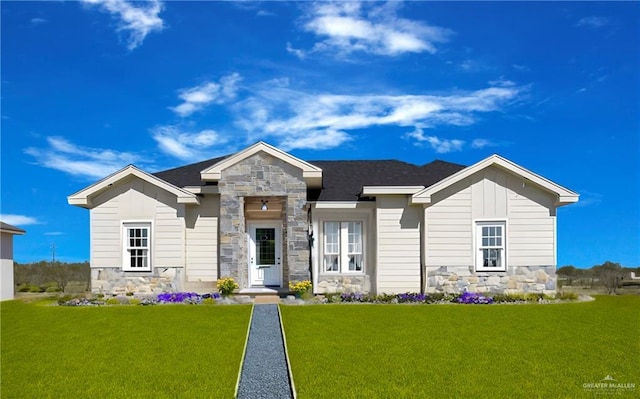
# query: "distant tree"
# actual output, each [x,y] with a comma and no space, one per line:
[569,271]
[59,273]
[610,275]
[44,272]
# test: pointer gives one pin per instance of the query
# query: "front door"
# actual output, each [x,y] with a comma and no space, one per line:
[265,253]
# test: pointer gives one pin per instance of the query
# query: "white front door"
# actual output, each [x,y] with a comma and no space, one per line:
[265,253]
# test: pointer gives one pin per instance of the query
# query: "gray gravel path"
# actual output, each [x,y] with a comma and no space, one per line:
[264,371]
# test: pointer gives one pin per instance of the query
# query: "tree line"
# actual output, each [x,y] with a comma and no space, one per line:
[610,275]
[50,276]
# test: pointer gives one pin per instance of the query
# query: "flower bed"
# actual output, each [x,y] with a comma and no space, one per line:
[466,298]
[188,298]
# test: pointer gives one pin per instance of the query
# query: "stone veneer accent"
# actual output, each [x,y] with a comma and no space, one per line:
[112,280]
[331,284]
[262,175]
[521,279]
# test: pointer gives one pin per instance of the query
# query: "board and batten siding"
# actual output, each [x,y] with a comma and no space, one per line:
[137,200]
[398,245]
[202,240]
[491,194]
[449,238]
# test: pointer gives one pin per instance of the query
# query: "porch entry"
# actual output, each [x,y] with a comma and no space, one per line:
[265,253]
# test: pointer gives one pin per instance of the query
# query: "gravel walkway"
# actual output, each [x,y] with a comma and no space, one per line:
[264,371]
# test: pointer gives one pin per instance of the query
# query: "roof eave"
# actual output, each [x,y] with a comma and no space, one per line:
[83,198]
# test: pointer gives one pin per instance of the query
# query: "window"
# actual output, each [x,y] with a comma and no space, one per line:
[136,247]
[343,250]
[490,255]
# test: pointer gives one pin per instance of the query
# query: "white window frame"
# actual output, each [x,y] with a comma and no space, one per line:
[343,247]
[479,247]
[126,248]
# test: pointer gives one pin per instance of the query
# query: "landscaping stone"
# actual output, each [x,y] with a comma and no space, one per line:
[522,279]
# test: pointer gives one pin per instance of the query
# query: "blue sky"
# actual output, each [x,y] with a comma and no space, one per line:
[89,87]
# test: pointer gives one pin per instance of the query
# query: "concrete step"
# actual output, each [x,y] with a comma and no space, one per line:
[258,299]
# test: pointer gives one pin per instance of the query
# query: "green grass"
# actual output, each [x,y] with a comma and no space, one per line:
[176,351]
[455,351]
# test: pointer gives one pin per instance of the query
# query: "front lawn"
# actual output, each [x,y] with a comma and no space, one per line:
[471,351]
[169,351]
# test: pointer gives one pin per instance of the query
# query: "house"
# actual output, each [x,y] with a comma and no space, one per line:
[7,232]
[266,218]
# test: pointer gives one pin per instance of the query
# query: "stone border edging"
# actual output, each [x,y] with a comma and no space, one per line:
[292,385]
[244,352]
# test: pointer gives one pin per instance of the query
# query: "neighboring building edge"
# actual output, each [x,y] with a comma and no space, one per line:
[7,286]
[267,218]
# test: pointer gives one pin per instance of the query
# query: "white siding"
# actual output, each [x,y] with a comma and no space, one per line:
[202,240]
[6,266]
[532,227]
[448,232]
[398,245]
[137,200]
[491,194]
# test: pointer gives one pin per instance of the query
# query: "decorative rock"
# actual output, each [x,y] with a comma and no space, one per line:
[453,277]
[541,276]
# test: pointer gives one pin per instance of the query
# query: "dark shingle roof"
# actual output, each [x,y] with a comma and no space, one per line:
[188,175]
[341,180]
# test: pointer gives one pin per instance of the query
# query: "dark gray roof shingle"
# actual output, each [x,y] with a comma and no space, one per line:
[341,180]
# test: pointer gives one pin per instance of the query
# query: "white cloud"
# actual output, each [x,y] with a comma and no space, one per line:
[297,52]
[319,140]
[93,163]
[198,97]
[38,21]
[184,145]
[588,198]
[370,28]
[299,119]
[481,143]
[438,144]
[593,22]
[19,220]
[137,21]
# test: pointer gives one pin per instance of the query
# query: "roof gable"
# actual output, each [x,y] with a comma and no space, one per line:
[311,174]
[83,198]
[564,195]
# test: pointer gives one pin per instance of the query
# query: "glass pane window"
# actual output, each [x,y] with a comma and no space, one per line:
[343,247]
[491,248]
[266,246]
[136,251]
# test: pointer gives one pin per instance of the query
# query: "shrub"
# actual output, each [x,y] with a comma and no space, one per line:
[301,289]
[386,298]
[411,297]
[35,288]
[208,301]
[23,288]
[134,301]
[179,297]
[333,297]
[113,301]
[354,297]
[226,286]
[440,297]
[474,298]
[129,294]
[567,296]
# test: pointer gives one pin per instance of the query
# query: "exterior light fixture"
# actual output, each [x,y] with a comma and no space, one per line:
[264,205]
